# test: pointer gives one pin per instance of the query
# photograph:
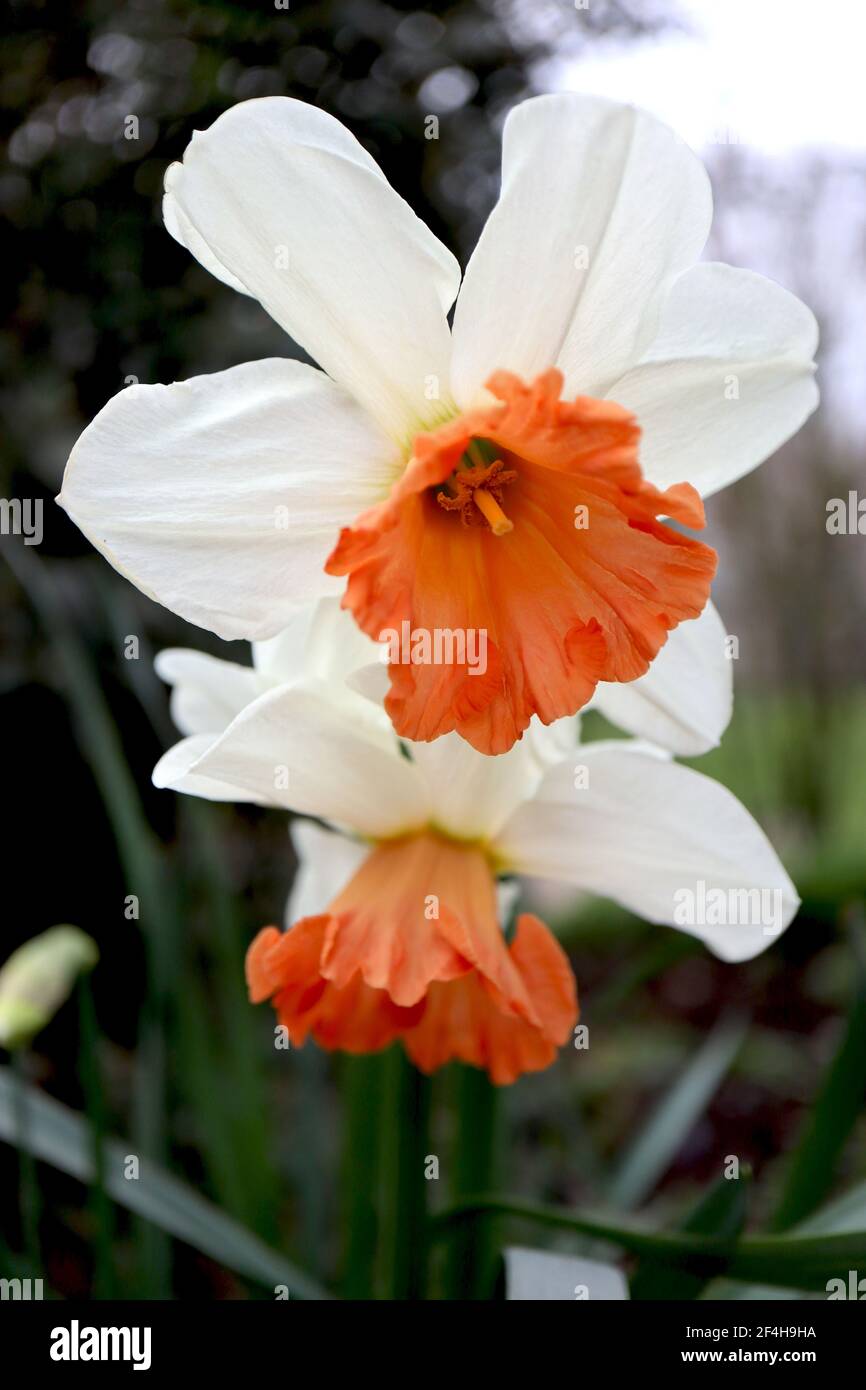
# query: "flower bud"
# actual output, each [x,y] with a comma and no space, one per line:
[38,978]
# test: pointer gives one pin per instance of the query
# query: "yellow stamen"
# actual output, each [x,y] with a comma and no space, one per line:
[491,510]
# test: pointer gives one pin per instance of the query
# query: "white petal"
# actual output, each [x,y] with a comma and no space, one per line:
[553,742]
[601,208]
[508,894]
[326,862]
[174,770]
[301,749]
[281,659]
[657,838]
[207,692]
[539,1276]
[180,227]
[371,681]
[222,496]
[728,379]
[471,793]
[322,640]
[685,700]
[279,196]
[336,646]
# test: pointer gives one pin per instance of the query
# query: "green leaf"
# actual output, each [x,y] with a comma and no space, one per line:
[676,1115]
[795,1261]
[720,1212]
[846,1214]
[831,1120]
[143,868]
[843,1215]
[59,1136]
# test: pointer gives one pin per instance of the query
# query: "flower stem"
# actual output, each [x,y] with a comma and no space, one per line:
[101,1207]
[362,1094]
[470,1271]
[403,1190]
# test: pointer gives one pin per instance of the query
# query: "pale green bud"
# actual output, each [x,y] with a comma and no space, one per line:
[38,978]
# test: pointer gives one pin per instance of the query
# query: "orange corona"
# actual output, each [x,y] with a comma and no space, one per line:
[411,949]
[481,532]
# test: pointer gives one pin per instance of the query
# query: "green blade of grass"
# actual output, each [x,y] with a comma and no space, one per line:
[796,1260]
[144,872]
[676,1115]
[829,1125]
[101,1209]
[57,1135]
[721,1212]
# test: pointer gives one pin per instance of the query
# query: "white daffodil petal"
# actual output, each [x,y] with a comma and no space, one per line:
[336,646]
[180,227]
[222,496]
[287,202]
[303,750]
[508,894]
[536,1276]
[280,659]
[472,794]
[685,700]
[329,648]
[326,862]
[321,639]
[601,208]
[729,378]
[174,771]
[664,841]
[371,681]
[207,693]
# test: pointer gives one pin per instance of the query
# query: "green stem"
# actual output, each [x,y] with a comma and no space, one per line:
[403,1190]
[787,1261]
[470,1270]
[100,1204]
[362,1098]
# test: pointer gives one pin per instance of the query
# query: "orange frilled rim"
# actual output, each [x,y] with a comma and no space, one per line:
[580,583]
[411,950]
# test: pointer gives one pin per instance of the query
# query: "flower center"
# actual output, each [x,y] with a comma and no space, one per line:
[475,488]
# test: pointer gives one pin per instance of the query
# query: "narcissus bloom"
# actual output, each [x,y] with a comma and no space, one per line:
[509,477]
[395,931]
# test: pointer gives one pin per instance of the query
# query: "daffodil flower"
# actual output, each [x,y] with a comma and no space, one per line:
[395,931]
[509,477]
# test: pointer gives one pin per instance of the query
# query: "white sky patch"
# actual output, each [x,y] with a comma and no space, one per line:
[775,75]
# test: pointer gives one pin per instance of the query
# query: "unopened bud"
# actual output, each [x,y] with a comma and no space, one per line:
[38,978]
